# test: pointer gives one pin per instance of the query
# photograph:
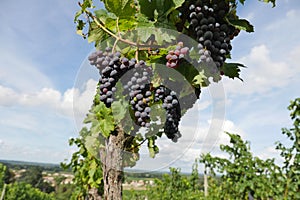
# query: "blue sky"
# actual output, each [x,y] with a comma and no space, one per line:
[43,72]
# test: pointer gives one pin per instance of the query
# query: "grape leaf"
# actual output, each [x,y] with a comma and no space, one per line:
[89,118]
[187,70]
[84,132]
[241,24]
[160,7]
[85,4]
[178,3]
[105,120]
[200,80]
[157,117]
[232,70]
[147,8]
[242,1]
[103,15]
[161,36]
[124,25]
[92,145]
[152,147]
[119,110]
[121,8]
[96,34]
[269,1]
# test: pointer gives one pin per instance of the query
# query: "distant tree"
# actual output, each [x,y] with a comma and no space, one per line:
[58,180]
[32,176]
[23,191]
[9,176]
[2,175]
[173,186]
[65,191]
[45,187]
[6,175]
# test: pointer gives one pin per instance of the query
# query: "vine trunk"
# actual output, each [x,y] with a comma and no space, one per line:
[112,160]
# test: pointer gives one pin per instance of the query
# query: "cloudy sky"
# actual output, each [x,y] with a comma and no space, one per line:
[44,72]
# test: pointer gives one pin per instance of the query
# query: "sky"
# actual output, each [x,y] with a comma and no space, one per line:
[46,86]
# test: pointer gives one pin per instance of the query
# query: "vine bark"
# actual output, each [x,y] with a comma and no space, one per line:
[112,160]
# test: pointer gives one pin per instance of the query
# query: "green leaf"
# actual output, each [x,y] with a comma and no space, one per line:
[159,35]
[103,15]
[86,4]
[232,70]
[105,121]
[89,118]
[121,8]
[119,110]
[148,8]
[161,8]
[241,24]
[153,149]
[96,34]
[79,27]
[188,71]
[93,169]
[92,145]
[123,24]
[242,1]
[200,80]
[77,15]
[84,132]
[178,3]
[107,126]
[269,1]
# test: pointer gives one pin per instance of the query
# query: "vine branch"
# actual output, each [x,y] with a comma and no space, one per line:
[118,38]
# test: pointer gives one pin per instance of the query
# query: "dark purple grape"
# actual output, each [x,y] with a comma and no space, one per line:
[211,30]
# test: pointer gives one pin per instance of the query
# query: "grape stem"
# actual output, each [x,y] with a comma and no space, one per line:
[118,38]
[138,145]
[137,53]
[118,29]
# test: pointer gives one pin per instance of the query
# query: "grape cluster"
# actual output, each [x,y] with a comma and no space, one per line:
[174,57]
[139,91]
[211,30]
[173,113]
[112,67]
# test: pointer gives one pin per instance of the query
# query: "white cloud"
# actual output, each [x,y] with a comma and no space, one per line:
[7,96]
[47,96]
[71,101]
[264,73]
[82,100]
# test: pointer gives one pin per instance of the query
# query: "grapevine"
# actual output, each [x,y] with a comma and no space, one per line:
[192,38]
